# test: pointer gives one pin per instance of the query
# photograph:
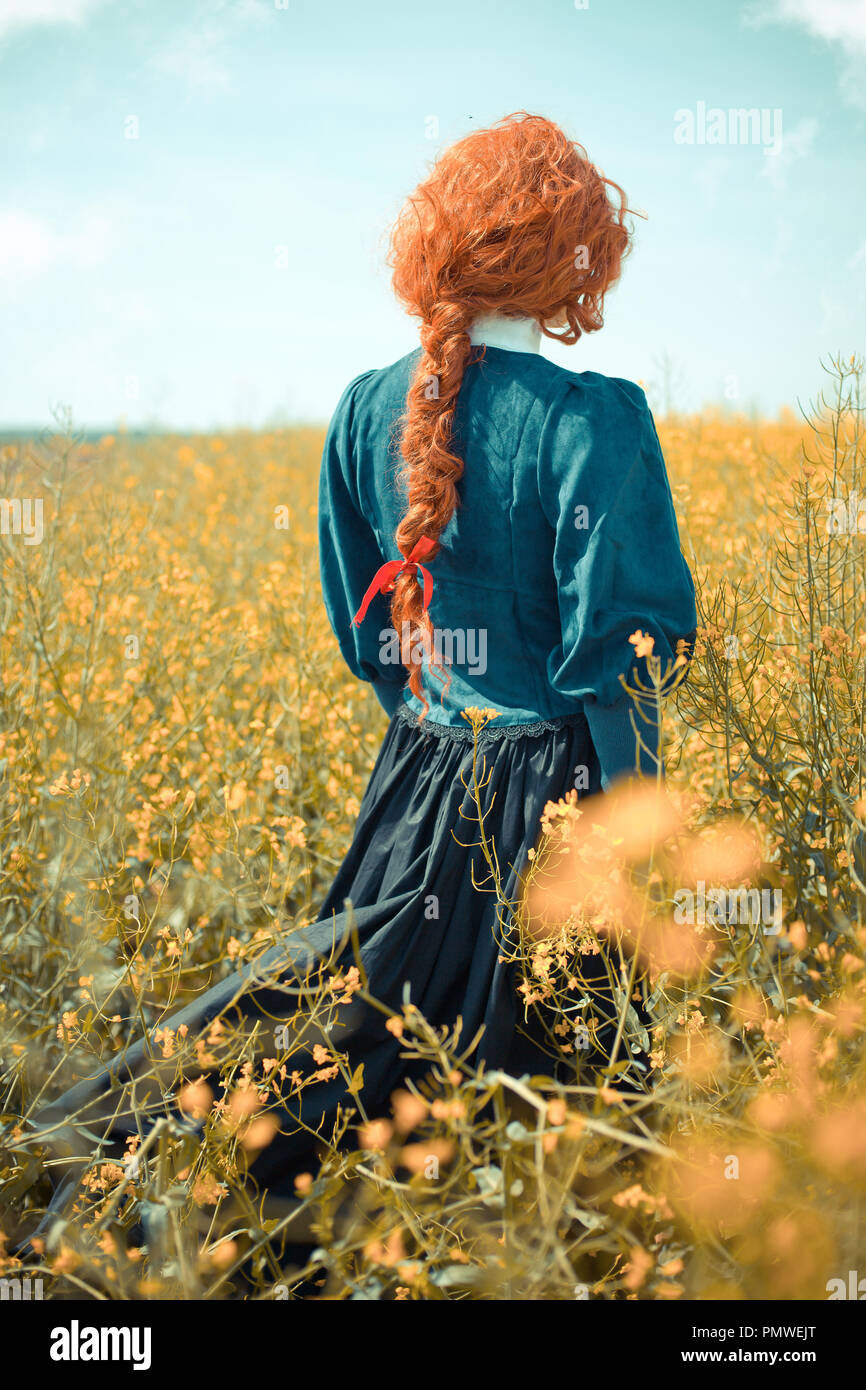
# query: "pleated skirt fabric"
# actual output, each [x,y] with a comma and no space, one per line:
[426,927]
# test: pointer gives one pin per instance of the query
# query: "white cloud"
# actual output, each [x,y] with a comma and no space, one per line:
[838,22]
[17,14]
[843,21]
[29,244]
[795,145]
[199,55]
[196,58]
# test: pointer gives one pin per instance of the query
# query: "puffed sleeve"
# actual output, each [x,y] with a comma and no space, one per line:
[617,559]
[349,556]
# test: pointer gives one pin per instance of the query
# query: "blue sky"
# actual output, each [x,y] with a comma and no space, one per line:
[227,266]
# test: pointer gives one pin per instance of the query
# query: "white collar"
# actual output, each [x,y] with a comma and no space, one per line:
[515,335]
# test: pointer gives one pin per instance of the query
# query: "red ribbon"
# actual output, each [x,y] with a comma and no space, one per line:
[386,575]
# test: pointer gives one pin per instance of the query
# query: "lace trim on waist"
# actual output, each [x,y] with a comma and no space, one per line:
[491,732]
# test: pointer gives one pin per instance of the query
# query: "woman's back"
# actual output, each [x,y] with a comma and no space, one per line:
[564,542]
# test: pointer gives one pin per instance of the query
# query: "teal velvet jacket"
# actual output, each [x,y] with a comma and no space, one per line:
[564,544]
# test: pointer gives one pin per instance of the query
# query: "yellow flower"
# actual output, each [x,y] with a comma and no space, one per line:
[642,642]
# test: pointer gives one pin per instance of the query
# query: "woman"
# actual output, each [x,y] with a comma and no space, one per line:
[497,528]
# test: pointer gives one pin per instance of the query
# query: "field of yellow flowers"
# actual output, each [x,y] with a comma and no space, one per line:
[182,755]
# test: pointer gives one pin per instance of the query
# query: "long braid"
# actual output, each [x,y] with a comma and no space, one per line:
[431,469]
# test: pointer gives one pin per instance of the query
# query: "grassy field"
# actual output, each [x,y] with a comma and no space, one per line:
[182,755]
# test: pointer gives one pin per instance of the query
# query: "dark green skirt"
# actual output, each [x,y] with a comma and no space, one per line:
[425,932]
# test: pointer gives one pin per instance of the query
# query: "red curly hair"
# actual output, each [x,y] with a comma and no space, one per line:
[512,220]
